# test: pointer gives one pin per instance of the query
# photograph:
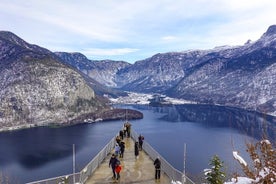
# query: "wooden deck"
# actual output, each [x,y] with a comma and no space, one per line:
[136,171]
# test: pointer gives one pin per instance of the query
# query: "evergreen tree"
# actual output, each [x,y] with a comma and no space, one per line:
[215,175]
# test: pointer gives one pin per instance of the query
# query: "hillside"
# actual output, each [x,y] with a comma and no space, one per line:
[239,76]
[37,89]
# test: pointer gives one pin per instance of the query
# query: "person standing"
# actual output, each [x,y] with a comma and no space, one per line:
[112,163]
[117,149]
[128,128]
[157,165]
[121,133]
[141,140]
[125,130]
[122,149]
[136,149]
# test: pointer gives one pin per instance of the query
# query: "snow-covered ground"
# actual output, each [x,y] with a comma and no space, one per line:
[141,98]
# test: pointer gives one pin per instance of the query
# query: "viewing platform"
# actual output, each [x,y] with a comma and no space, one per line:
[140,170]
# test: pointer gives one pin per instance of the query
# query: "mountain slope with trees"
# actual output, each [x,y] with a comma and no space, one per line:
[37,89]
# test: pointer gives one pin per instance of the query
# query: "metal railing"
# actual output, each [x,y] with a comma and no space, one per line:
[59,179]
[97,160]
[166,167]
[84,174]
[90,168]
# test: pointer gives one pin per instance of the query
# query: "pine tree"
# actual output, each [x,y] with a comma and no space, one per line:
[215,175]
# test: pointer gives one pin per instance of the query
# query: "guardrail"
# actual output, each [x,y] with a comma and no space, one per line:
[166,167]
[84,174]
[89,169]
[97,160]
[59,179]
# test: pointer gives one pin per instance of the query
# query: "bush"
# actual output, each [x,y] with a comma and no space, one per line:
[263,157]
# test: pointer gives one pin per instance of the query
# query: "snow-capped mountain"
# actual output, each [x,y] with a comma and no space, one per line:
[37,89]
[103,71]
[242,76]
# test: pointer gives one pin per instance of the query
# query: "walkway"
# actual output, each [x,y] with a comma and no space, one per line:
[140,171]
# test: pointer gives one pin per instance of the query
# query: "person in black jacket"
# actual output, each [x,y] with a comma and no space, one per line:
[141,140]
[157,165]
[112,162]
[122,150]
[136,149]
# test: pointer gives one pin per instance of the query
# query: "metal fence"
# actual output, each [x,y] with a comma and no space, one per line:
[70,178]
[97,160]
[89,169]
[84,174]
[166,167]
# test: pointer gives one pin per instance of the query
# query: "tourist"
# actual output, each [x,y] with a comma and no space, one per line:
[121,133]
[157,165]
[125,129]
[122,149]
[112,162]
[117,149]
[118,139]
[141,140]
[128,128]
[136,149]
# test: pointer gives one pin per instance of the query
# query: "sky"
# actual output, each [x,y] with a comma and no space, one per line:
[133,30]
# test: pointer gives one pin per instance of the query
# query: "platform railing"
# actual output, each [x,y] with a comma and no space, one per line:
[69,178]
[166,167]
[96,161]
[84,174]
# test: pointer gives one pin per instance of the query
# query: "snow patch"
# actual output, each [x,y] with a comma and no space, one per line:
[239,158]
[143,99]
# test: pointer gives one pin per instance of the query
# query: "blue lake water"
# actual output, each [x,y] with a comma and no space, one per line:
[39,153]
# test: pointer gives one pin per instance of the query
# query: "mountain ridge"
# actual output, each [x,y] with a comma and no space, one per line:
[226,75]
[239,76]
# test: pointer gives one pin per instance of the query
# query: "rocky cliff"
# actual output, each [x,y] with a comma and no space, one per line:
[37,89]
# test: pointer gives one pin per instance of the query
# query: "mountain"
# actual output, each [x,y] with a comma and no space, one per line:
[99,74]
[240,76]
[37,89]
[243,76]
[102,71]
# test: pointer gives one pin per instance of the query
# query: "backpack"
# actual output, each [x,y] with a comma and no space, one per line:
[157,165]
[118,168]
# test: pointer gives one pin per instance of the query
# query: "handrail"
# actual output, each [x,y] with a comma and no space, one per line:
[166,167]
[59,179]
[90,168]
[84,174]
[96,161]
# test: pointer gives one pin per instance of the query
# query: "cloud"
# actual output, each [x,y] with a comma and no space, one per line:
[108,52]
[153,26]
[168,38]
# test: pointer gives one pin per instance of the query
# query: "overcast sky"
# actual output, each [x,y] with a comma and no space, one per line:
[133,30]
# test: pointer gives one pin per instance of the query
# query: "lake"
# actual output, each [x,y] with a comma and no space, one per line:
[43,152]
